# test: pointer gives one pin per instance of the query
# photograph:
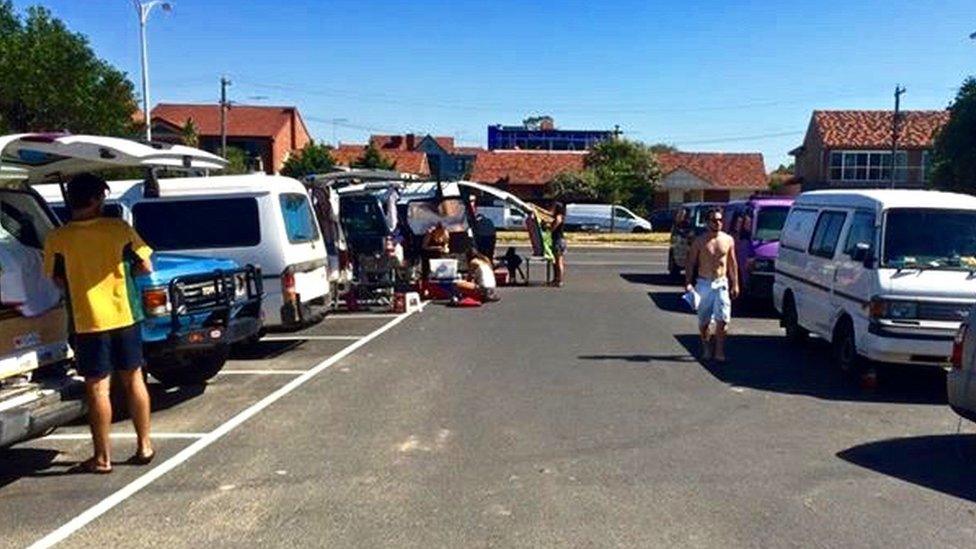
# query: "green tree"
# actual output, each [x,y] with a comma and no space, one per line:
[372,159]
[625,172]
[572,187]
[954,154]
[238,162]
[52,80]
[659,148]
[310,160]
[189,134]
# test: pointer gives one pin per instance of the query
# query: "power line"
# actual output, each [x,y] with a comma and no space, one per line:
[380,98]
[732,139]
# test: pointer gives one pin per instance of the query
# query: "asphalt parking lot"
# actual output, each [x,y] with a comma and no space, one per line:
[572,417]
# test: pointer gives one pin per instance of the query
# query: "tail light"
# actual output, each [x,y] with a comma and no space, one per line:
[389,246]
[155,301]
[343,259]
[288,285]
[957,345]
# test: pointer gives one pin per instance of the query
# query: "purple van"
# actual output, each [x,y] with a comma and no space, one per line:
[755,225]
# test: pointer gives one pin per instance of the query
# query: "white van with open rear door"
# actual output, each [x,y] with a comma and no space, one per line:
[884,275]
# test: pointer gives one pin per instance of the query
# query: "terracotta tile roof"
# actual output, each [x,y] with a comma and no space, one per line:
[469,150]
[524,167]
[872,129]
[725,170]
[242,120]
[412,162]
[447,143]
[408,142]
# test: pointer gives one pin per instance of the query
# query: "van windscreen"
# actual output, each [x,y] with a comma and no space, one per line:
[198,224]
[769,222]
[930,238]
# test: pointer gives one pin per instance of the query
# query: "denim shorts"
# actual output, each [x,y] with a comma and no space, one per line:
[99,354]
[559,246]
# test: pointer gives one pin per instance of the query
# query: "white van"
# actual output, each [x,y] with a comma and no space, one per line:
[254,219]
[604,218]
[504,216]
[884,275]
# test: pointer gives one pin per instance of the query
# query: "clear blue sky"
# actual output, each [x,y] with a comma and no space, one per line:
[708,75]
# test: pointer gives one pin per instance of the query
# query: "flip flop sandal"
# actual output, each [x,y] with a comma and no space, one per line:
[137,459]
[90,467]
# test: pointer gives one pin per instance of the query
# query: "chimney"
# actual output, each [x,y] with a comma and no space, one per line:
[411,141]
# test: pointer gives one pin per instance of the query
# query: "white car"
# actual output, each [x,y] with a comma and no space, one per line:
[605,218]
[884,275]
[961,379]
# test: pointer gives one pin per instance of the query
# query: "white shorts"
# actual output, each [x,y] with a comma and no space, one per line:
[716,304]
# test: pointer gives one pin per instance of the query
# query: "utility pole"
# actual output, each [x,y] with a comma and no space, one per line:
[894,133]
[224,107]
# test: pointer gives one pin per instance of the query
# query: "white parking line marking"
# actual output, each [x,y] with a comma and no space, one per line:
[262,372]
[152,475]
[611,263]
[354,316]
[312,338]
[161,436]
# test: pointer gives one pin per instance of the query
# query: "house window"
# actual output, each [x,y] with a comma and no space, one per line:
[926,165]
[866,166]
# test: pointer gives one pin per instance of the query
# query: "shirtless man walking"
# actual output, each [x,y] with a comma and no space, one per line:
[713,255]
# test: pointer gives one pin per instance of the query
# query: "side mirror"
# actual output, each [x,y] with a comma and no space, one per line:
[862,253]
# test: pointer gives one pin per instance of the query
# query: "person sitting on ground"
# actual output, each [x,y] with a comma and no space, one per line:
[481,278]
[513,262]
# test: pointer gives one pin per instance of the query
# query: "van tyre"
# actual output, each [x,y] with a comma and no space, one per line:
[795,333]
[189,369]
[845,349]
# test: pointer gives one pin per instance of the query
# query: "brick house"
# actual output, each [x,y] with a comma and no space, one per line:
[405,161]
[713,177]
[853,149]
[446,161]
[524,173]
[270,134]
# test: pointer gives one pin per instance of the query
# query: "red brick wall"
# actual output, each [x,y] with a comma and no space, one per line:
[291,138]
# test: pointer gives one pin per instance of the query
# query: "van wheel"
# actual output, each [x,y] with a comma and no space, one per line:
[845,349]
[673,269]
[795,333]
[190,369]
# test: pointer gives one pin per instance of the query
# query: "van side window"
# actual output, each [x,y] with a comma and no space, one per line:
[198,224]
[796,230]
[862,230]
[300,224]
[827,233]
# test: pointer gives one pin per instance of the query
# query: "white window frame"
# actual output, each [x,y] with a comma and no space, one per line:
[901,168]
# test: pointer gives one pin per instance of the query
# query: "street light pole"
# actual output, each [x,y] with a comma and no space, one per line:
[143,8]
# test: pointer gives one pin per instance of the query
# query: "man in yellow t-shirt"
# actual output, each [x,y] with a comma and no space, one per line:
[90,258]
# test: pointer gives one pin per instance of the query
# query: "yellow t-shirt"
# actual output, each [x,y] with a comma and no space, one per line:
[91,256]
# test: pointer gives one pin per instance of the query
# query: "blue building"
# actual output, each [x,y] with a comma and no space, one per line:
[541,135]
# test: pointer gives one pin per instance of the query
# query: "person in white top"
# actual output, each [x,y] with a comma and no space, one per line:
[481,277]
